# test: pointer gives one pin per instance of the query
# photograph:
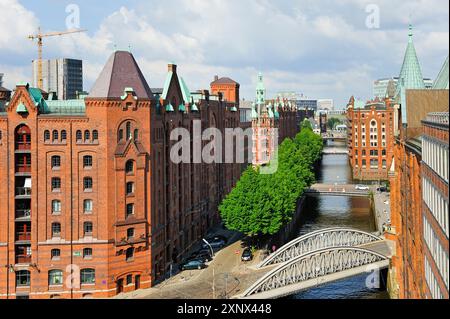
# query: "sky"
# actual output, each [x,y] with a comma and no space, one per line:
[319,48]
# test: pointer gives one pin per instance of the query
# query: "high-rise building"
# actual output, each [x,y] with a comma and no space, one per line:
[384,87]
[1,79]
[325,104]
[61,76]
[91,183]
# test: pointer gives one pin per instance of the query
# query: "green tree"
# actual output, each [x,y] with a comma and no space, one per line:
[261,204]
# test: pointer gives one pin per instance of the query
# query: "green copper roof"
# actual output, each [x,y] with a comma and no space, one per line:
[182,108]
[167,84]
[66,107]
[233,109]
[194,107]
[255,114]
[260,90]
[184,90]
[21,108]
[410,75]
[39,101]
[169,108]
[441,81]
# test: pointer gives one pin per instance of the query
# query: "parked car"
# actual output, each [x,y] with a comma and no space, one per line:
[247,255]
[217,238]
[193,264]
[215,244]
[202,255]
[362,187]
[382,189]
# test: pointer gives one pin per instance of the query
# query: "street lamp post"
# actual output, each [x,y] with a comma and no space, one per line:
[210,247]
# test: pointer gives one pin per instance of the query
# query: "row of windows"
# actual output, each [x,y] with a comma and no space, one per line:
[436,203]
[88,229]
[56,253]
[57,136]
[439,254]
[432,282]
[435,155]
[56,161]
[87,206]
[88,184]
[55,277]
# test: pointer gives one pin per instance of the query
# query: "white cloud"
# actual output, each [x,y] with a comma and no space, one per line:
[321,48]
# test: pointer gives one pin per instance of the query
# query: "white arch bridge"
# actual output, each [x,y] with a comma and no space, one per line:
[317,258]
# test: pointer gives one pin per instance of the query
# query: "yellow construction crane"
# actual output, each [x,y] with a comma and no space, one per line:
[39,37]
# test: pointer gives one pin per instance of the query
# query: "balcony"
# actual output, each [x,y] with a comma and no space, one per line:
[23,259]
[23,168]
[23,214]
[438,117]
[23,236]
[23,146]
[23,191]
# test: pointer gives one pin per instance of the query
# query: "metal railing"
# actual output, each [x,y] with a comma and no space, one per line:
[438,117]
[23,213]
[23,191]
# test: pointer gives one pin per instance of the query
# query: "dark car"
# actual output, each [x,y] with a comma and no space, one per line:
[193,264]
[382,189]
[202,255]
[247,255]
[216,244]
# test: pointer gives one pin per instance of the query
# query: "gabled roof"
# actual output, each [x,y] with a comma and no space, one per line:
[441,81]
[2,89]
[224,80]
[120,72]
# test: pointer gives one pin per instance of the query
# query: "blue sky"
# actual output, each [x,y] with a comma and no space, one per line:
[321,48]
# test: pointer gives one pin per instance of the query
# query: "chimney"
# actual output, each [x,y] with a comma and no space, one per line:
[172,67]
[216,77]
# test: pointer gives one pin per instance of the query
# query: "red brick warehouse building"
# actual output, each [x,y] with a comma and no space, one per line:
[370,138]
[90,183]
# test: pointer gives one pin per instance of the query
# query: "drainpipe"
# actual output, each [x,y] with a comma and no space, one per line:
[71,208]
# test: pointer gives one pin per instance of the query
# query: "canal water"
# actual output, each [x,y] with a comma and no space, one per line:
[329,211]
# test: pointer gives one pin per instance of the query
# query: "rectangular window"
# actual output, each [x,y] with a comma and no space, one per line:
[56,184]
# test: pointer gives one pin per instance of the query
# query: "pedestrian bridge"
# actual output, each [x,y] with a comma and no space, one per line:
[336,190]
[317,258]
[334,151]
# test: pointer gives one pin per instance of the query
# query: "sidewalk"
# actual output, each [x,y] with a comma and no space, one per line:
[225,276]
[382,210]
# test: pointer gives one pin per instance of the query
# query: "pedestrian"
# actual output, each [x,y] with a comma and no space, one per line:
[274,248]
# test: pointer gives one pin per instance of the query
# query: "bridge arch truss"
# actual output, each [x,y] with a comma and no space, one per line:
[323,238]
[314,265]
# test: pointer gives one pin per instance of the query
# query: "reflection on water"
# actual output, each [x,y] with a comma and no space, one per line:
[329,211]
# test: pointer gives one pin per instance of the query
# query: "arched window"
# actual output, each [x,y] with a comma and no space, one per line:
[87,253]
[22,278]
[87,161]
[130,210]
[88,205]
[56,207]
[128,127]
[56,184]
[56,162]
[87,276]
[136,134]
[120,135]
[129,254]
[130,188]
[130,233]
[88,228]
[87,183]
[87,135]
[129,167]
[95,135]
[55,135]
[55,277]
[63,135]
[79,136]
[46,135]
[56,229]
[55,254]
